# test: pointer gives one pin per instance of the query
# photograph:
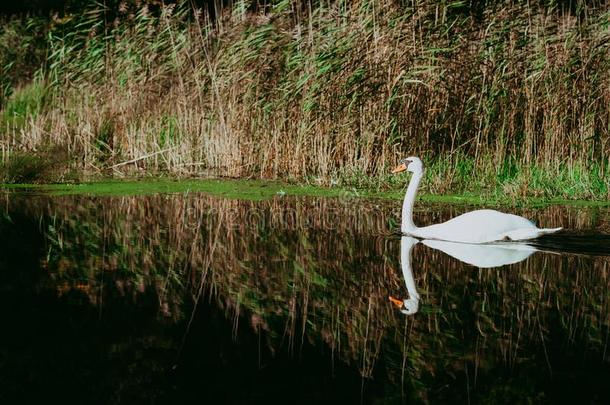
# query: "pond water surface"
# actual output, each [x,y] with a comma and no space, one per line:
[183,298]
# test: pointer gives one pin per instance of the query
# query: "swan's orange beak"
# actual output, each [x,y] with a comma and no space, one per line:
[400,168]
[395,301]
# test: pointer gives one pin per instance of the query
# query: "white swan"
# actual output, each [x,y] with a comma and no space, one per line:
[480,226]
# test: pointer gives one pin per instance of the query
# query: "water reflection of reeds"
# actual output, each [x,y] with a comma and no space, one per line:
[320,270]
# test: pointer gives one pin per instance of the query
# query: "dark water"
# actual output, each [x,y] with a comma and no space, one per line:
[193,299]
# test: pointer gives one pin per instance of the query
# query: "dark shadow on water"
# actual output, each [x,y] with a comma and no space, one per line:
[241,368]
[585,243]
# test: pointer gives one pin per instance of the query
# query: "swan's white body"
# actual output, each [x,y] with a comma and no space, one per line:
[480,226]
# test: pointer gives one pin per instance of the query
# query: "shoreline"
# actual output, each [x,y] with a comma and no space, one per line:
[250,189]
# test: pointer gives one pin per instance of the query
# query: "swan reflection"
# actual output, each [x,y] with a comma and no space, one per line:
[410,305]
[482,256]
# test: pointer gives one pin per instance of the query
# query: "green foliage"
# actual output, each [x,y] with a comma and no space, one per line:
[169,132]
[35,167]
[22,52]
[21,168]
[25,102]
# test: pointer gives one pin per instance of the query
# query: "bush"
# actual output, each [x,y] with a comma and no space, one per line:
[35,167]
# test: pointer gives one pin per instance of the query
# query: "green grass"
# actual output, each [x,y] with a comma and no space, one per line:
[25,103]
[262,190]
[227,188]
[507,183]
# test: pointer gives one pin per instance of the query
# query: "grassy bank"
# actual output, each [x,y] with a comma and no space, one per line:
[500,99]
[255,190]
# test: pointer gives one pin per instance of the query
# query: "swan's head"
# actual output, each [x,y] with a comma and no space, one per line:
[408,306]
[411,306]
[412,164]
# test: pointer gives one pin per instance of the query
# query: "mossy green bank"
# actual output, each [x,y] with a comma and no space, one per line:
[262,190]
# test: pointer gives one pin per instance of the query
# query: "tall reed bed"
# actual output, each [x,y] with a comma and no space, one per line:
[509,96]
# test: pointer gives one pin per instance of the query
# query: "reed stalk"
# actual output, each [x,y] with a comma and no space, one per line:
[509,96]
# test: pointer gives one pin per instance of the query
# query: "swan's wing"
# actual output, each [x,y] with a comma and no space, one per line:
[480,226]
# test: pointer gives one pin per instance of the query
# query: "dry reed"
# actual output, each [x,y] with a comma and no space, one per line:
[334,91]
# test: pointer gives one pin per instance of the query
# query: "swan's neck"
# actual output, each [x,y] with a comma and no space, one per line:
[407,225]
